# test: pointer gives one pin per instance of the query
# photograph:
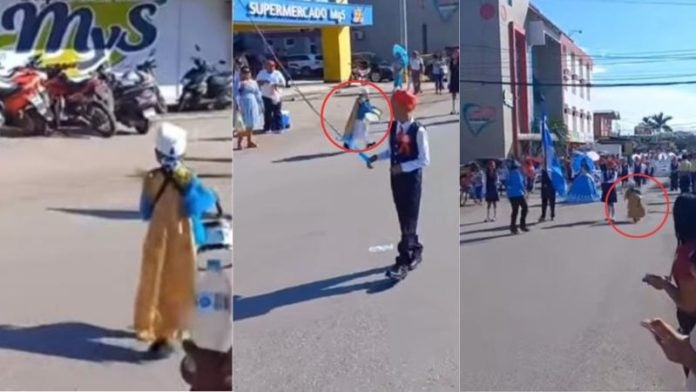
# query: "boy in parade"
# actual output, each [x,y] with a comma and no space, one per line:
[409,154]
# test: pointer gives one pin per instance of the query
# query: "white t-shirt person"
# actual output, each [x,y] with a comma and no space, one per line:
[271,83]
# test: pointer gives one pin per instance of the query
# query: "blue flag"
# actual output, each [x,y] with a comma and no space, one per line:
[553,165]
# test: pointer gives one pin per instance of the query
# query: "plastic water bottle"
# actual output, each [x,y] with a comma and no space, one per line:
[212,323]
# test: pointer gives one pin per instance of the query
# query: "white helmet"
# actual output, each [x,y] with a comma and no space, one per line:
[171,140]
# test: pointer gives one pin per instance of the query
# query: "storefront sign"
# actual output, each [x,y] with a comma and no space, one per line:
[295,12]
[69,29]
[477,118]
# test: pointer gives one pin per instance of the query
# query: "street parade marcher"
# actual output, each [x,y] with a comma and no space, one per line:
[685,175]
[680,286]
[548,196]
[624,174]
[454,80]
[584,188]
[636,209]
[492,196]
[409,154]
[638,169]
[477,183]
[609,177]
[271,81]
[517,196]
[250,107]
[360,122]
[674,174]
[172,200]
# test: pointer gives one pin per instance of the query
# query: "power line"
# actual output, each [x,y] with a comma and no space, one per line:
[589,85]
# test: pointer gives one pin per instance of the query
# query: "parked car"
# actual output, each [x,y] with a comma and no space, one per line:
[306,65]
[379,69]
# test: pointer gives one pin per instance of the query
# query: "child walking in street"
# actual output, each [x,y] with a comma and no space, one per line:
[173,200]
[491,185]
[636,209]
[409,154]
[517,196]
[361,123]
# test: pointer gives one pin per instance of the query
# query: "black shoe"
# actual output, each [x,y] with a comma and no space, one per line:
[160,349]
[346,146]
[514,231]
[542,219]
[526,230]
[370,144]
[397,271]
[417,259]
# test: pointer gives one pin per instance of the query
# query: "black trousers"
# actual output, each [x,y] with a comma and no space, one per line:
[272,116]
[673,181]
[548,200]
[518,203]
[406,190]
[684,183]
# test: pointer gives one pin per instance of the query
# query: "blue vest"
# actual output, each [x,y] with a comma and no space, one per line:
[403,153]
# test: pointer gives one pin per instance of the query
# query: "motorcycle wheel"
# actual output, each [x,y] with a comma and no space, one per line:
[33,122]
[100,119]
[182,103]
[142,126]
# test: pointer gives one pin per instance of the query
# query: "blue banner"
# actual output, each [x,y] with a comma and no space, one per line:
[553,165]
[306,13]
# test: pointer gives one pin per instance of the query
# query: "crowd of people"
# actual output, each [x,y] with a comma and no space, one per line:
[587,181]
[443,66]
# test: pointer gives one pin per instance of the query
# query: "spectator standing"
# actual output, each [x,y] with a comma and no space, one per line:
[271,81]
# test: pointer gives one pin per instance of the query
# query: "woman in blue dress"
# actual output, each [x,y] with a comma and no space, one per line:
[250,106]
[584,187]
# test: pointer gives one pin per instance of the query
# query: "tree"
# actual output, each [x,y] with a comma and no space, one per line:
[658,122]
[560,130]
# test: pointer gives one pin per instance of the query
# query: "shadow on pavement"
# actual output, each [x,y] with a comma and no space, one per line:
[249,307]
[214,139]
[481,239]
[215,160]
[104,214]
[72,340]
[215,175]
[493,229]
[571,224]
[301,158]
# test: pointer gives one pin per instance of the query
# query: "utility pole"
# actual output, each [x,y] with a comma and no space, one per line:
[404,24]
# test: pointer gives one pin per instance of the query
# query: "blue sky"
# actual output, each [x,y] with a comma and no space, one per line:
[616,29]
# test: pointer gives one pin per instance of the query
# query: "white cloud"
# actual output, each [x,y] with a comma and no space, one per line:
[598,69]
[634,103]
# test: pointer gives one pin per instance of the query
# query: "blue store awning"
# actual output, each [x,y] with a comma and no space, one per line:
[301,13]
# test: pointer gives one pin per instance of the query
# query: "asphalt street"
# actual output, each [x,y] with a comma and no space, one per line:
[313,311]
[71,238]
[559,308]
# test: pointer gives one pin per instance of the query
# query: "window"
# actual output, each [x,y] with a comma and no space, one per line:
[582,122]
[289,42]
[575,120]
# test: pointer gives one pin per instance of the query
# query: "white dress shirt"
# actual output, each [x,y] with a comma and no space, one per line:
[416,64]
[423,159]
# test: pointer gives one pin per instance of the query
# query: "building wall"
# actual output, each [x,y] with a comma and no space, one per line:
[438,16]
[486,29]
[603,125]
[577,99]
[173,31]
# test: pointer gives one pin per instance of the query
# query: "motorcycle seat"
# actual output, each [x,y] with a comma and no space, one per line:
[76,84]
[8,88]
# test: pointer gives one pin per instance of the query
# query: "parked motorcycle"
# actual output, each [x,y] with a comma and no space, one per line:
[137,97]
[87,100]
[206,87]
[25,101]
